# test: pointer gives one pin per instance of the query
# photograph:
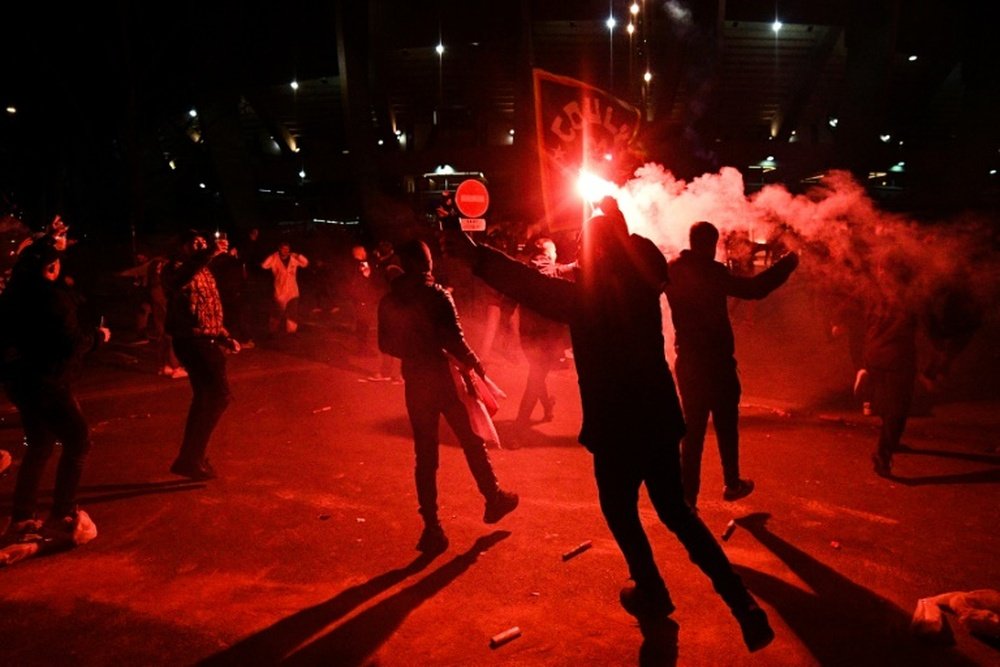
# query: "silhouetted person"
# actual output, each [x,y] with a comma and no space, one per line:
[706,367]
[541,342]
[632,422]
[195,321]
[42,341]
[418,323]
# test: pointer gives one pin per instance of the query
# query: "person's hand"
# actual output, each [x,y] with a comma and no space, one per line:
[790,258]
[105,334]
[221,246]
[233,345]
[458,244]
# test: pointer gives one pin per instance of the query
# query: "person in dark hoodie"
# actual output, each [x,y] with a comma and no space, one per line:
[632,421]
[706,368]
[43,341]
[418,323]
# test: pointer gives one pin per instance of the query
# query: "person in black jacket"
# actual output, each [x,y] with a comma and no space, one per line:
[418,323]
[42,342]
[632,421]
[706,368]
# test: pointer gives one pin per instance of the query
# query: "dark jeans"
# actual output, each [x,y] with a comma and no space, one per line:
[892,395]
[431,393]
[618,480]
[709,387]
[49,412]
[205,363]
[541,359]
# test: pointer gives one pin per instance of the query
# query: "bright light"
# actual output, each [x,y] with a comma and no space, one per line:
[202,186]
[295,85]
[440,49]
[511,132]
[769,158]
[634,8]
[833,122]
[193,113]
[444,169]
[777,26]
[399,133]
[302,173]
[609,157]
[630,28]
[381,142]
[993,172]
[647,77]
[172,165]
[886,138]
[912,58]
[296,149]
[12,110]
[592,187]
[611,23]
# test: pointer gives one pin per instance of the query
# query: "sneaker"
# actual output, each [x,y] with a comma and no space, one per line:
[432,540]
[862,384]
[500,506]
[179,373]
[198,472]
[548,406]
[740,489]
[882,465]
[646,602]
[757,632]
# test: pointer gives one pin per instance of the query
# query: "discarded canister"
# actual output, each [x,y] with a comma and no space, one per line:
[507,635]
[730,529]
[577,550]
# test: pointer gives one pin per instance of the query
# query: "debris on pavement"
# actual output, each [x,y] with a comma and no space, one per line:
[978,611]
[325,408]
[835,544]
[577,550]
[730,529]
[323,517]
[507,635]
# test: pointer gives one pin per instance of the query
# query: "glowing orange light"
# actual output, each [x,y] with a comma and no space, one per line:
[592,187]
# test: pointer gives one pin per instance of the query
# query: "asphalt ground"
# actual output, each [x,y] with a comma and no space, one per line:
[303,551]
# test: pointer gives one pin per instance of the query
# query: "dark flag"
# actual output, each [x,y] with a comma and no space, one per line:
[579,127]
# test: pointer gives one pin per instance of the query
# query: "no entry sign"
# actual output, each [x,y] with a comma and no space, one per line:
[472,198]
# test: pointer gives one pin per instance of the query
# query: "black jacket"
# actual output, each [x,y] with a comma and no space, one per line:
[626,389]
[41,336]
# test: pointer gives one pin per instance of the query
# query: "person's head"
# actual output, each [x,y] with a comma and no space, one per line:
[359,253]
[41,259]
[545,247]
[602,242]
[253,234]
[415,257]
[284,250]
[193,241]
[704,237]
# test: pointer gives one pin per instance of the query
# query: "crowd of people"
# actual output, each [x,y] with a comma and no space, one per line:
[640,427]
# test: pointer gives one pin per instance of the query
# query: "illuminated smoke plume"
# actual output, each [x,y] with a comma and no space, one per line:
[845,240]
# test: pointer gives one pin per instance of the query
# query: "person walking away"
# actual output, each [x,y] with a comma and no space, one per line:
[706,366]
[418,322]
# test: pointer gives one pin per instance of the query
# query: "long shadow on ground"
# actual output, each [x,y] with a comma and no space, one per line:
[353,641]
[840,622]
[112,492]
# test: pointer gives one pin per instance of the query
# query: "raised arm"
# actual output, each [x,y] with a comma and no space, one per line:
[759,286]
[551,297]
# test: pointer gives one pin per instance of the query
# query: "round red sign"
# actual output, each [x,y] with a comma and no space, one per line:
[472,198]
